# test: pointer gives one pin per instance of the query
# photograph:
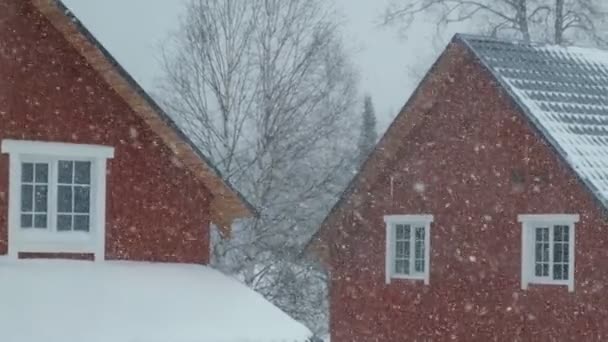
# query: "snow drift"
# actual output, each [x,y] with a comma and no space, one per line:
[76,301]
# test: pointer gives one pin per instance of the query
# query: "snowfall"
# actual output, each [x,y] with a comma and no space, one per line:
[78,301]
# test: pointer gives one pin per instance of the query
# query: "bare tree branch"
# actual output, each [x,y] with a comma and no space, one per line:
[556,21]
[266,90]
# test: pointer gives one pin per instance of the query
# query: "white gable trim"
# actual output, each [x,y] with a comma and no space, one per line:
[56,149]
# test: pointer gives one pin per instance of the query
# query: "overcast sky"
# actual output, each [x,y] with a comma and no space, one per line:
[132,30]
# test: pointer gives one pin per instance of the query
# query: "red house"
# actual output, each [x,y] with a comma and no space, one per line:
[481,214]
[91,168]
[90,165]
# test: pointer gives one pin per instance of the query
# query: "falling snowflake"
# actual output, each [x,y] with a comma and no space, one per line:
[133,132]
[419,187]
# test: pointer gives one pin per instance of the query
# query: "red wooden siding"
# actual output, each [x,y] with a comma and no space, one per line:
[156,210]
[469,150]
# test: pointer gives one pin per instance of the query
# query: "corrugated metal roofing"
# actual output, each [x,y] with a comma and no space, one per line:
[564,91]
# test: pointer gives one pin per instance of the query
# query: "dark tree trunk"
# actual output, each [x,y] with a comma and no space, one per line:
[522,19]
[559,22]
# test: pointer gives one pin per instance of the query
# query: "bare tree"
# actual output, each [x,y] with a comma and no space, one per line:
[552,21]
[266,90]
[208,81]
[580,20]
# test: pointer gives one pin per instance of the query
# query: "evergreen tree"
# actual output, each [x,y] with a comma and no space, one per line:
[369,134]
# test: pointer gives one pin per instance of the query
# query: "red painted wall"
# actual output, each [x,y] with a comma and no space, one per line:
[466,151]
[156,210]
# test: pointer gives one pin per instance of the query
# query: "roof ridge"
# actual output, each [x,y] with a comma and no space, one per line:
[467,38]
[472,36]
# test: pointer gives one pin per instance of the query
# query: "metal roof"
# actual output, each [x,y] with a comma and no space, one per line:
[564,93]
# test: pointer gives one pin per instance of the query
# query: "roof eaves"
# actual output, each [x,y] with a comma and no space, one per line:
[162,114]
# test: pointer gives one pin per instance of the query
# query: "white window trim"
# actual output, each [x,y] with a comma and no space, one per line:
[531,221]
[391,221]
[48,241]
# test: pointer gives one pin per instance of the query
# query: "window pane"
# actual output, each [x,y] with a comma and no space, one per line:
[419,249]
[81,199]
[41,199]
[539,252]
[64,199]
[560,252]
[558,272]
[542,234]
[42,173]
[81,223]
[419,266]
[400,250]
[27,172]
[557,233]
[400,266]
[406,232]
[561,233]
[64,223]
[26,221]
[65,172]
[40,221]
[403,231]
[541,269]
[27,198]
[82,173]
[557,252]
[565,270]
[419,233]
[406,267]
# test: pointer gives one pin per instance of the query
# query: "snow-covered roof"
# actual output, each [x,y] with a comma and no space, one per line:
[564,92]
[77,301]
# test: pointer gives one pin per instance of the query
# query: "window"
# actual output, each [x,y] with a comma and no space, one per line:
[67,183]
[73,195]
[34,195]
[408,247]
[548,249]
[56,197]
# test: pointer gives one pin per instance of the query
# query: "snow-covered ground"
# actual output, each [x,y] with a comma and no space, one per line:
[77,301]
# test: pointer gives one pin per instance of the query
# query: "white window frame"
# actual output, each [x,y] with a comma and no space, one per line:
[49,240]
[391,222]
[529,223]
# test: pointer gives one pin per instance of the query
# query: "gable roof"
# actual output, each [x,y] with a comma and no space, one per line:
[563,91]
[227,204]
[388,145]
